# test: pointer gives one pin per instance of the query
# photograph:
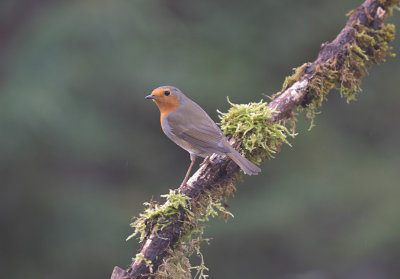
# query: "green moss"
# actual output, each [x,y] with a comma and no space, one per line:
[212,210]
[323,81]
[159,213]
[344,76]
[390,5]
[251,122]
[290,80]
[346,70]
[156,216]
[176,264]
[140,257]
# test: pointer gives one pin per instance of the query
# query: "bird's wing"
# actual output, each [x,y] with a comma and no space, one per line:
[193,125]
[203,141]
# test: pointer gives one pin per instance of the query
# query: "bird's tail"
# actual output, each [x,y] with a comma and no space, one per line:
[247,166]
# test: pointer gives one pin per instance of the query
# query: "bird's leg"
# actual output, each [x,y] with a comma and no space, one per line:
[206,161]
[193,159]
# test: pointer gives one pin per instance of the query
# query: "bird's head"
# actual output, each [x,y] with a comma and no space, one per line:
[167,98]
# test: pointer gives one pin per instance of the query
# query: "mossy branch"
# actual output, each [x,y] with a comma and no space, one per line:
[172,231]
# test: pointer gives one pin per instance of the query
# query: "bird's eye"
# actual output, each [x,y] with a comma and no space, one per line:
[166,93]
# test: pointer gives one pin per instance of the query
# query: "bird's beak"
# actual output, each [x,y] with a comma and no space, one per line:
[150,97]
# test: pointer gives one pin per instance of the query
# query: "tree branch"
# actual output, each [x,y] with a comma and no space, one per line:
[339,64]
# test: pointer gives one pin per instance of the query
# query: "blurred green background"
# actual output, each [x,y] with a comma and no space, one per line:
[81,150]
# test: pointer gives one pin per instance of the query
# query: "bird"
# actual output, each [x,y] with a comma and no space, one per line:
[191,128]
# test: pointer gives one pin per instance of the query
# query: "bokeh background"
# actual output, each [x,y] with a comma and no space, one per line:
[81,150]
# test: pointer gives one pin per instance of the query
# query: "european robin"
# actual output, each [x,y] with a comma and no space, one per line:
[190,127]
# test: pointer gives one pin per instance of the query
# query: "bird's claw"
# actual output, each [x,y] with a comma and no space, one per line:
[206,161]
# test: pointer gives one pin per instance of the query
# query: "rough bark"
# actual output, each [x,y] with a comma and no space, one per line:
[222,169]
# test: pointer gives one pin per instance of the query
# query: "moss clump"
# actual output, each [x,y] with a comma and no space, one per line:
[390,5]
[345,70]
[374,44]
[159,213]
[157,216]
[140,257]
[176,264]
[298,73]
[260,138]
[324,80]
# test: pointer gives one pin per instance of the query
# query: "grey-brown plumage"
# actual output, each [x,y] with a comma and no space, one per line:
[190,127]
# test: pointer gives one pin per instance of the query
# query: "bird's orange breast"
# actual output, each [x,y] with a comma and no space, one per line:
[164,113]
[166,108]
